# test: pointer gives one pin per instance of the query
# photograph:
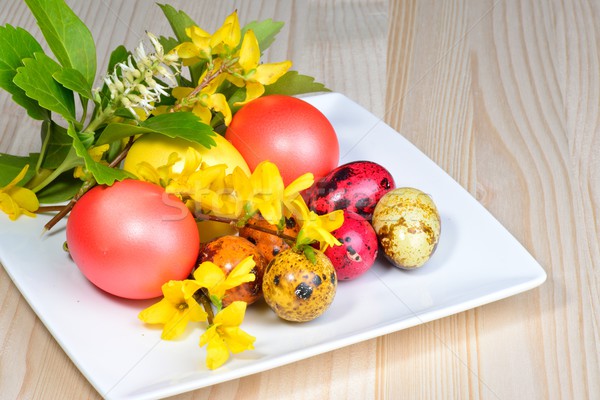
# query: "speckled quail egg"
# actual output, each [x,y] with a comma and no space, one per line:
[227,252]
[356,186]
[407,224]
[298,290]
[358,248]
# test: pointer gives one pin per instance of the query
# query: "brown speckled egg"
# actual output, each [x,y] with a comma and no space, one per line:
[407,224]
[268,244]
[298,290]
[227,252]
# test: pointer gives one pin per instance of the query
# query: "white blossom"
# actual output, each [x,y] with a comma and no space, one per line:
[133,83]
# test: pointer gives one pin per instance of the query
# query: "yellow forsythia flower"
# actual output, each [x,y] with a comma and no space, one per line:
[175,310]
[211,277]
[256,75]
[16,200]
[314,227]
[225,335]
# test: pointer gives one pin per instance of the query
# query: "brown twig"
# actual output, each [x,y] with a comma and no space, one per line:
[87,185]
[232,221]
[66,209]
[121,156]
[44,209]
[207,79]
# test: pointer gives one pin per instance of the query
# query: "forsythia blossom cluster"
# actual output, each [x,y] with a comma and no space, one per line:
[230,58]
[180,306]
[210,190]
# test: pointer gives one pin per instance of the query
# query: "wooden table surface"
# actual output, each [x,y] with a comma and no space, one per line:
[504,95]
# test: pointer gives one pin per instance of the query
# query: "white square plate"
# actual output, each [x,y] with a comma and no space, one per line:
[477,262]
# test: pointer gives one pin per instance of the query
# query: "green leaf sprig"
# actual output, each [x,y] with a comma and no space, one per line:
[85,131]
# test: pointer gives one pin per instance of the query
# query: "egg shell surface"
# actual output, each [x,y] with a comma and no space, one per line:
[268,244]
[356,186]
[407,224]
[358,250]
[227,252]
[298,290]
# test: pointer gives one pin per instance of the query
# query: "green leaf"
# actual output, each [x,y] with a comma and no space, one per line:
[35,78]
[72,79]
[178,20]
[293,83]
[238,95]
[114,150]
[265,32]
[63,188]
[15,45]
[47,176]
[196,72]
[11,165]
[87,138]
[184,125]
[124,113]
[57,144]
[68,37]
[168,43]
[104,175]
[118,55]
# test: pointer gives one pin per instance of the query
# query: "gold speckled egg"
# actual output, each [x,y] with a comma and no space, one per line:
[407,224]
[298,290]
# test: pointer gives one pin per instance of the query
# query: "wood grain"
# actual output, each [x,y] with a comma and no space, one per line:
[502,94]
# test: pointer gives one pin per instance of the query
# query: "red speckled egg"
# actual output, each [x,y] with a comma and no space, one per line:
[358,250]
[356,187]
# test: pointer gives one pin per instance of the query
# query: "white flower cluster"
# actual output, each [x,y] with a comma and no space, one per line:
[133,85]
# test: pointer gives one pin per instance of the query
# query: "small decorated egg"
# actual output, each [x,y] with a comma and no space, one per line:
[356,186]
[227,252]
[407,224]
[298,290]
[358,250]
[268,244]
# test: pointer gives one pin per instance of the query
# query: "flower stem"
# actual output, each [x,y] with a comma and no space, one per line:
[202,298]
[43,209]
[100,119]
[207,79]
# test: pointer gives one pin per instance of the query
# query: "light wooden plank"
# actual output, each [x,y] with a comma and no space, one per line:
[504,95]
